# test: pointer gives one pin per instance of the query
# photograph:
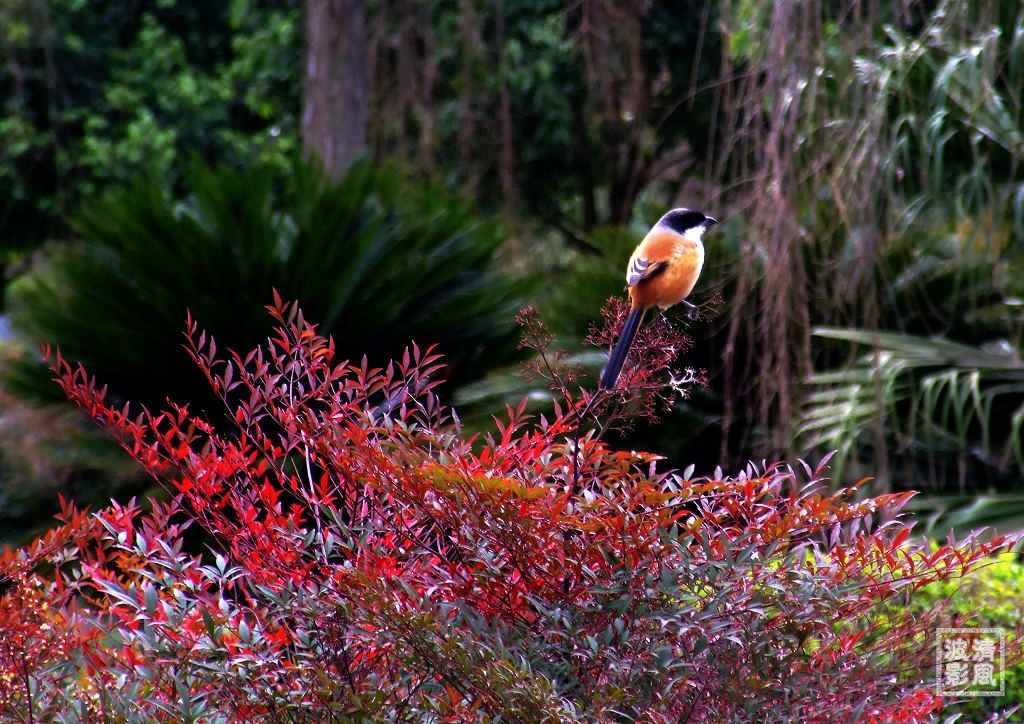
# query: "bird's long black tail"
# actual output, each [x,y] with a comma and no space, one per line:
[621,349]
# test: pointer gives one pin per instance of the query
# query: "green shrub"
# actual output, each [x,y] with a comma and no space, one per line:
[991,596]
[381,261]
[94,92]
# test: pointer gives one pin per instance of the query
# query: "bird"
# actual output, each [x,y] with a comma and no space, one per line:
[661,273]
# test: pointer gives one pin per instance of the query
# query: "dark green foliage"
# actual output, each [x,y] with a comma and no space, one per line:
[945,414]
[563,114]
[381,261]
[45,453]
[93,92]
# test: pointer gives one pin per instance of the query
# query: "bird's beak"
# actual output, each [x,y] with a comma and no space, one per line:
[710,221]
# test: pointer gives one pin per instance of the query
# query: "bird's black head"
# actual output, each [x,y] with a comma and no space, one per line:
[682,220]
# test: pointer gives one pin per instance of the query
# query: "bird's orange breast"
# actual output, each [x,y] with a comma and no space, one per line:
[685,259]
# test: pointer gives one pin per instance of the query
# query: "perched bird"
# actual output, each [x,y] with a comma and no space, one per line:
[661,273]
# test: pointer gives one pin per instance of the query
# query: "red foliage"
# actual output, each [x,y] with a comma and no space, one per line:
[40,622]
[367,559]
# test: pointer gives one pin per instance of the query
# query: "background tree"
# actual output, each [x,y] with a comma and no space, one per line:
[335,94]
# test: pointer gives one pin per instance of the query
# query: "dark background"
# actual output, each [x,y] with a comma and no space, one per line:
[417,170]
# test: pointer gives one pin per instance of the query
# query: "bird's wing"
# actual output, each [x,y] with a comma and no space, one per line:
[640,269]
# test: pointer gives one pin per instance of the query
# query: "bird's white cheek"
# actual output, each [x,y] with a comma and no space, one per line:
[695,234]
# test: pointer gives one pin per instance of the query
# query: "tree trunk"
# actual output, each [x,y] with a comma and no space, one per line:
[334,115]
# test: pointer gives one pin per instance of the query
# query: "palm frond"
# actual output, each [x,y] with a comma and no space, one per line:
[926,400]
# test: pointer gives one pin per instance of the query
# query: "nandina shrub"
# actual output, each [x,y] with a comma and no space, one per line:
[368,562]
